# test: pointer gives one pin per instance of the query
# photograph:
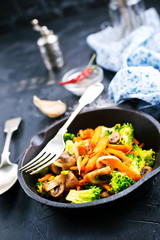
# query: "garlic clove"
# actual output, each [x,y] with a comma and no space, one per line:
[52,109]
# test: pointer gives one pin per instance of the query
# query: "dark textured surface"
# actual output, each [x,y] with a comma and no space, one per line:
[22,75]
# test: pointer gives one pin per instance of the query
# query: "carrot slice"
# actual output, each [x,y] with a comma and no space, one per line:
[77,139]
[82,149]
[92,162]
[119,154]
[98,151]
[117,164]
[107,187]
[45,177]
[82,164]
[86,134]
[141,145]
[81,182]
[123,148]
[135,141]
[81,134]
[84,161]
[96,136]
[74,168]
[78,188]
[101,145]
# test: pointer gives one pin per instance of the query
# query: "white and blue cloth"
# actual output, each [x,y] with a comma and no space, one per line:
[135,58]
[136,83]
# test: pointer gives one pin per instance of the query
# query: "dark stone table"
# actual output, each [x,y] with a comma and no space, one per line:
[23,75]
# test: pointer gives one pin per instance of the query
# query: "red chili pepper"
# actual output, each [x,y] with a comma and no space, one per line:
[80,77]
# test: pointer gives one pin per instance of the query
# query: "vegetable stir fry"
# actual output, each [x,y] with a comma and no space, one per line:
[95,164]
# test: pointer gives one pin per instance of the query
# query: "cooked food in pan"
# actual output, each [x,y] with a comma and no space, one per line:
[96,163]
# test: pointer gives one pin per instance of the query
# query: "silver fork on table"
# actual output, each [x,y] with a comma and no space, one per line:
[55,146]
[8,170]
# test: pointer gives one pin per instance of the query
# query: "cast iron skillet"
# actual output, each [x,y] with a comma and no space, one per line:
[147,130]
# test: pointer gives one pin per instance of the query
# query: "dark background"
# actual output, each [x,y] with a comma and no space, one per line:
[18,13]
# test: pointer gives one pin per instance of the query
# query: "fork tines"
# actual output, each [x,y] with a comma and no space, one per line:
[38,163]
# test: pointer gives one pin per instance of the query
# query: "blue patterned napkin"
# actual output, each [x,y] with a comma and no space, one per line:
[140,48]
[136,83]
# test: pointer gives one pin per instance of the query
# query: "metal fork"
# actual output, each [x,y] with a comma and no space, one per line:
[55,146]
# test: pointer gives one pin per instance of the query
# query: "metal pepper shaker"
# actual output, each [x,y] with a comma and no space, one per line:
[49,47]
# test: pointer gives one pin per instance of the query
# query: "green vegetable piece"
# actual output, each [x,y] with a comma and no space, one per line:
[44,171]
[120,181]
[69,146]
[127,133]
[65,172]
[108,131]
[147,155]
[40,190]
[84,196]
[68,136]
[91,186]
[137,163]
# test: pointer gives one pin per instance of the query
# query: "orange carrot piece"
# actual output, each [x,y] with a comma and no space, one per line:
[101,145]
[117,164]
[84,161]
[81,134]
[78,188]
[88,133]
[141,145]
[123,148]
[74,168]
[120,155]
[91,154]
[82,164]
[92,162]
[96,136]
[107,187]
[45,177]
[135,141]
[82,149]
[77,139]
[82,174]
[81,182]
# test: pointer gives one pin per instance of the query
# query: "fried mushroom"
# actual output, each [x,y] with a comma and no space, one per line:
[66,160]
[105,194]
[55,169]
[145,170]
[56,186]
[114,137]
[99,176]
[71,180]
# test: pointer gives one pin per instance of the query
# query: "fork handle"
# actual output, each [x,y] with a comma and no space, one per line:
[91,93]
[5,154]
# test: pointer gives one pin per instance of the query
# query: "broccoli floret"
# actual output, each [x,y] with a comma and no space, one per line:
[44,171]
[127,133]
[84,196]
[137,163]
[147,155]
[90,186]
[40,190]
[120,181]
[68,136]
[108,131]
